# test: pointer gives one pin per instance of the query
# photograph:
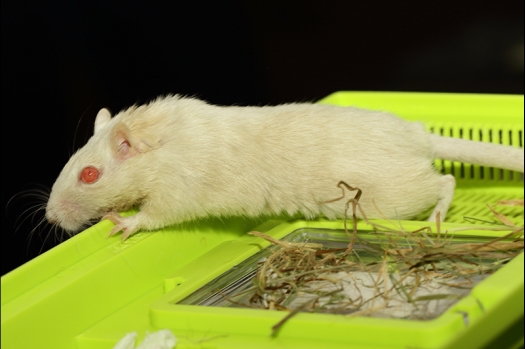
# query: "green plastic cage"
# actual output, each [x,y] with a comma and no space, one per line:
[90,291]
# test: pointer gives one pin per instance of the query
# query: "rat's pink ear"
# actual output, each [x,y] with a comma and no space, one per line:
[102,119]
[123,143]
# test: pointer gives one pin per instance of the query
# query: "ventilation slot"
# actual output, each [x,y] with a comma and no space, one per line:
[479,133]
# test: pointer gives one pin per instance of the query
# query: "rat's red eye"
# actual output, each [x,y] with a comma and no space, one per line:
[89,175]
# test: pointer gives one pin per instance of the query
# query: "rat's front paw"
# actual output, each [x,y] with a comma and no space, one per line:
[127,225]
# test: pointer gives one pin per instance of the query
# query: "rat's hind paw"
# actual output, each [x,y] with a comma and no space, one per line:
[127,225]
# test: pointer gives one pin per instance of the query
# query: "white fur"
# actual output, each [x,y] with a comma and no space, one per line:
[181,158]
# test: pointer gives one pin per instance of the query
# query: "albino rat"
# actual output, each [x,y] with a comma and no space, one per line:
[180,158]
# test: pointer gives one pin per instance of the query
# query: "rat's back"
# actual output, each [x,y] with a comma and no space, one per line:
[253,160]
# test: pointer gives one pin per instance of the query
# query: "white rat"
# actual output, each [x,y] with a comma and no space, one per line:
[180,158]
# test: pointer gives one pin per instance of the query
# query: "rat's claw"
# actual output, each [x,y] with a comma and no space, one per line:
[121,224]
[126,233]
[116,219]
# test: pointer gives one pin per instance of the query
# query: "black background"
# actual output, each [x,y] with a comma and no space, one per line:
[62,62]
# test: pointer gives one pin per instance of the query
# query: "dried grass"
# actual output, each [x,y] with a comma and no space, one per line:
[415,274]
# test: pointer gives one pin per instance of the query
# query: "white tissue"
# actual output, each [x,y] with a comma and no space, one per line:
[128,342]
[163,339]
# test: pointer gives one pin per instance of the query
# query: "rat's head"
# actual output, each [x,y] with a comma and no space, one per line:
[100,177]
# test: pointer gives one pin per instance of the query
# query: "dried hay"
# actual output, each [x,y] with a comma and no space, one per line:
[414,276]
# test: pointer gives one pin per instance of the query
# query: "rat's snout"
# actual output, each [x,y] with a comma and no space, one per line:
[51,214]
[68,215]
[50,218]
